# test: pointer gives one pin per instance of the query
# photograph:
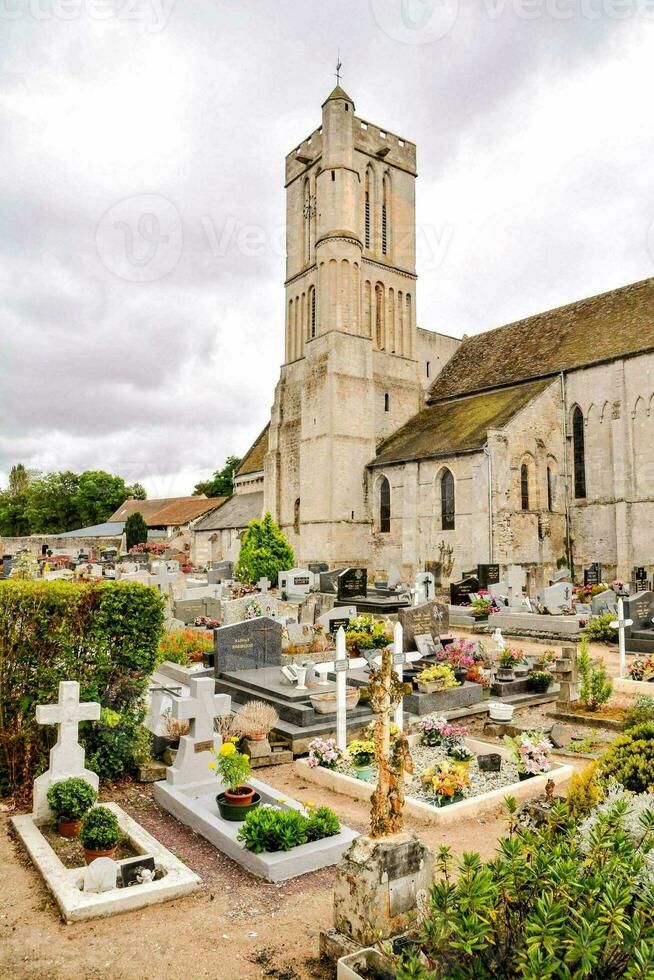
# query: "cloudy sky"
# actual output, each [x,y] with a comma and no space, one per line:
[150,347]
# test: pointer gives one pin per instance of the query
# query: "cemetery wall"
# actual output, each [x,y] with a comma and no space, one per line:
[34,543]
[614,524]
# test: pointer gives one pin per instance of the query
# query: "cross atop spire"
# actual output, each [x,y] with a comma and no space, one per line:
[338,67]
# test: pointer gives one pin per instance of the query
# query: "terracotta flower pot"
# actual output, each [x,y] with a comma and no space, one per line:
[69,828]
[90,855]
[240,795]
[259,737]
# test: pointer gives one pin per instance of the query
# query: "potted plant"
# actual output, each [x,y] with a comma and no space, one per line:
[99,833]
[439,677]
[368,963]
[531,752]
[481,608]
[255,720]
[539,681]
[446,782]
[362,756]
[430,727]
[507,661]
[461,754]
[233,768]
[69,799]
[364,633]
[324,752]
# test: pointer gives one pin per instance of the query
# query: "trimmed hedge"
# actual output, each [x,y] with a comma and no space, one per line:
[104,635]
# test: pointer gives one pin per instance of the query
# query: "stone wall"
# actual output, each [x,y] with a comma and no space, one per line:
[433,351]
[58,545]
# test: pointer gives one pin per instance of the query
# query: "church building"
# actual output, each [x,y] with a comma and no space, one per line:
[392,446]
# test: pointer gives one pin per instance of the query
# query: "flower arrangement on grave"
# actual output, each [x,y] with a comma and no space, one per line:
[475,676]
[252,609]
[174,729]
[430,729]
[641,667]
[452,737]
[99,833]
[510,657]
[446,781]
[364,633]
[233,768]
[207,623]
[69,800]
[539,681]
[184,646]
[361,753]
[324,752]
[255,720]
[438,677]
[482,605]
[186,567]
[270,828]
[461,754]
[531,752]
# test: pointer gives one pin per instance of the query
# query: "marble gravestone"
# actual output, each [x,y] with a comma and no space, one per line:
[603,603]
[248,645]
[329,580]
[429,618]
[593,573]
[557,597]
[639,577]
[296,582]
[640,609]
[337,617]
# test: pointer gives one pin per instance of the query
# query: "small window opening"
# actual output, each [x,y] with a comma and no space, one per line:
[387,402]
[428,367]
[333,175]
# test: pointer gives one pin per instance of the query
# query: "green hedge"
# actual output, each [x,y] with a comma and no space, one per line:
[104,635]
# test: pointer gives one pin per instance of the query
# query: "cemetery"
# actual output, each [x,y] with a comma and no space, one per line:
[251,697]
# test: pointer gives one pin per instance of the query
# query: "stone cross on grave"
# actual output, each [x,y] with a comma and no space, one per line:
[620,624]
[66,755]
[200,708]
[263,584]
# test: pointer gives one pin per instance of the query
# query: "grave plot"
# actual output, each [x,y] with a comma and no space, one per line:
[190,794]
[86,893]
[487,789]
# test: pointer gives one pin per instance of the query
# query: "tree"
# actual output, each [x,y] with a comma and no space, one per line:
[51,506]
[222,482]
[98,496]
[19,479]
[264,552]
[136,530]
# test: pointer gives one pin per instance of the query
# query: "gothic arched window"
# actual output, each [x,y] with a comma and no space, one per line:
[579,452]
[296,516]
[524,486]
[379,316]
[550,489]
[366,208]
[384,506]
[448,508]
[386,203]
[312,312]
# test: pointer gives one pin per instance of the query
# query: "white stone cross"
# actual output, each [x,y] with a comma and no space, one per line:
[200,708]
[620,624]
[263,584]
[66,755]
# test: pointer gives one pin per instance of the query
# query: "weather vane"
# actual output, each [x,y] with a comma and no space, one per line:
[338,67]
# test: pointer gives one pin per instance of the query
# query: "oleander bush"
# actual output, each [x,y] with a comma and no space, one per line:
[105,635]
[569,900]
[630,760]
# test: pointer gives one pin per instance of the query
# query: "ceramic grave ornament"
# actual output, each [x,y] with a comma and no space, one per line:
[200,708]
[498,640]
[66,755]
[101,875]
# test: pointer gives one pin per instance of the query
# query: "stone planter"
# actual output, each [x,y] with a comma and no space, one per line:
[521,670]
[430,687]
[505,674]
[325,704]
[538,686]
[236,812]
[500,712]
[460,675]
[367,963]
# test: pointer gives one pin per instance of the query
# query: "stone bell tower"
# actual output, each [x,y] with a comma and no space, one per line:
[349,376]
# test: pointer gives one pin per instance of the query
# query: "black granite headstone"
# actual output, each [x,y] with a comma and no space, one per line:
[329,580]
[640,608]
[593,573]
[248,645]
[488,575]
[639,576]
[352,582]
[460,591]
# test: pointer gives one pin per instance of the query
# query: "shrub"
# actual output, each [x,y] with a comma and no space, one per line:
[264,552]
[562,901]
[641,712]
[255,718]
[271,829]
[595,688]
[599,629]
[184,646]
[104,635]
[585,792]
[136,530]
[69,799]
[100,830]
[630,759]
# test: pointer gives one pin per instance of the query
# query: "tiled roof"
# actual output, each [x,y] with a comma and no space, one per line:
[450,427]
[111,529]
[599,328]
[169,510]
[253,460]
[237,512]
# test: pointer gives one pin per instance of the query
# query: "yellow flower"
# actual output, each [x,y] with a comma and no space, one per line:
[309,803]
[281,799]
[227,748]
[212,765]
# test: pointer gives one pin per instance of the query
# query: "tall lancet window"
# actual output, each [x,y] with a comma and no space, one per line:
[307,221]
[384,506]
[366,209]
[385,215]
[312,312]
[579,452]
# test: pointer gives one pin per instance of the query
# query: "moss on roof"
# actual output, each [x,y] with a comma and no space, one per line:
[253,459]
[451,427]
[595,329]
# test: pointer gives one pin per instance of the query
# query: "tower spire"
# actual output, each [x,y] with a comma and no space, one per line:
[338,67]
